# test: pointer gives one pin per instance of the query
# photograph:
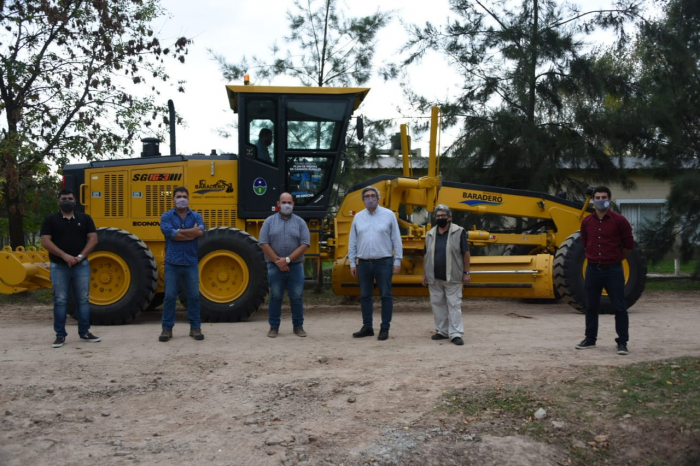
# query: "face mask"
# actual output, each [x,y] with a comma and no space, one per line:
[181,203]
[67,206]
[601,204]
[286,209]
[441,222]
[371,203]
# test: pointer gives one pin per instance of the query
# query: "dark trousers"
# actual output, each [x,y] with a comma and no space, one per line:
[612,279]
[380,270]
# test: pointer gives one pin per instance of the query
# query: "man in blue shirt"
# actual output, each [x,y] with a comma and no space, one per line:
[263,145]
[283,238]
[375,242]
[181,227]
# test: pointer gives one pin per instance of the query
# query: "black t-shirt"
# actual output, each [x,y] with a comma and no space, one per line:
[69,234]
[440,260]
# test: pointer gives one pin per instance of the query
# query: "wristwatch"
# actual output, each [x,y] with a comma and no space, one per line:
[80,256]
[287,259]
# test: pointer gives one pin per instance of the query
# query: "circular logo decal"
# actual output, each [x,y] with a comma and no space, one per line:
[259,186]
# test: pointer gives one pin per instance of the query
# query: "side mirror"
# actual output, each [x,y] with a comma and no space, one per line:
[360,128]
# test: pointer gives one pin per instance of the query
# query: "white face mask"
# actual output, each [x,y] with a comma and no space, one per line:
[181,203]
[286,209]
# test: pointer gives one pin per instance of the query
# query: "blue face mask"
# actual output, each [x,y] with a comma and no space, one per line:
[601,204]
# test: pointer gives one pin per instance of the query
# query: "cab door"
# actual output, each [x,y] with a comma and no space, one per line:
[260,166]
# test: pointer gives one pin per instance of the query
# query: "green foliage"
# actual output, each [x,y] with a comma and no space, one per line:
[66,74]
[667,113]
[326,49]
[533,100]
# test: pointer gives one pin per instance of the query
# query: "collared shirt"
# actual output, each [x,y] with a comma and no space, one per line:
[375,236]
[284,235]
[180,252]
[69,234]
[605,238]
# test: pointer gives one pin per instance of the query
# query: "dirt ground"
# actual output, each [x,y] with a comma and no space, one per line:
[240,398]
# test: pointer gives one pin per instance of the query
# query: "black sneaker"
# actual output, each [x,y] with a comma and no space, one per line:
[586,344]
[90,337]
[622,349]
[58,342]
[383,334]
[364,332]
[458,341]
[437,337]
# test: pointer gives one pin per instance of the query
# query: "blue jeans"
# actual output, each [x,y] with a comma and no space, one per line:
[294,282]
[188,275]
[63,279]
[380,270]
[613,280]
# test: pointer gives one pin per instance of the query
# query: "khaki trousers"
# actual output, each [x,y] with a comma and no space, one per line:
[446,301]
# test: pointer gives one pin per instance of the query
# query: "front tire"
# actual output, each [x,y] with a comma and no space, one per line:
[123,277]
[232,275]
[569,275]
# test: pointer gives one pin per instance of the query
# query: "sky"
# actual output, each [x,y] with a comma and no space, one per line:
[238,28]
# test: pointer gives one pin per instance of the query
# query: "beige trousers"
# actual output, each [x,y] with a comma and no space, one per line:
[446,301]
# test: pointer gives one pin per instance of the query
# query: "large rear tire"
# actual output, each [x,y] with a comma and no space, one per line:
[123,277]
[232,275]
[569,275]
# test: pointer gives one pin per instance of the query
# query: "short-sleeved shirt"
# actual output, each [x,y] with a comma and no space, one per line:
[180,252]
[68,234]
[440,259]
[284,235]
[605,238]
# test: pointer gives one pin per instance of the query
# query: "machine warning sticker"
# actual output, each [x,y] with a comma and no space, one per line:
[475,199]
[260,186]
[96,194]
[136,194]
[203,188]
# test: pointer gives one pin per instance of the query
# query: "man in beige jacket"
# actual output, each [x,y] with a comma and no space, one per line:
[445,272]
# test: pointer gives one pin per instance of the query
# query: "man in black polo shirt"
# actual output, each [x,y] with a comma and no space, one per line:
[69,236]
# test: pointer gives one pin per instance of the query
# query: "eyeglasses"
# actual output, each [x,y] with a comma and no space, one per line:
[370,196]
[441,216]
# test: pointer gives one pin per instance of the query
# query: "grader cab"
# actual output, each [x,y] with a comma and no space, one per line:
[235,193]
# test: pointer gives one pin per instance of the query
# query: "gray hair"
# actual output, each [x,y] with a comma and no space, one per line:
[443,208]
[370,188]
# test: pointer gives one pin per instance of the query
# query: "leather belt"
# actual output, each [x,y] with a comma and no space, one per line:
[603,266]
[375,260]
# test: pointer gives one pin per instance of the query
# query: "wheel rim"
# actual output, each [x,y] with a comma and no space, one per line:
[223,276]
[110,278]
[625,270]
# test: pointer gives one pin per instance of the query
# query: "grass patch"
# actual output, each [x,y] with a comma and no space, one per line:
[41,296]
[660,401]
[672,285]
[670,267]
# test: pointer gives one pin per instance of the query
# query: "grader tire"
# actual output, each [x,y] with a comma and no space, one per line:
[525,250]
[232,275]
[155,303]
[123,277]
[569,269]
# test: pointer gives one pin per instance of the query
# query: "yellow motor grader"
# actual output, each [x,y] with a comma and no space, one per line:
[236,193]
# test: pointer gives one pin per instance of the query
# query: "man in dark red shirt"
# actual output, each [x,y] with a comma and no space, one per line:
[607,238]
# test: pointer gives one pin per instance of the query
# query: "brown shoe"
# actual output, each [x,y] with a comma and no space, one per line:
[273,332]
[299,331]
[166,335]
[196,333]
